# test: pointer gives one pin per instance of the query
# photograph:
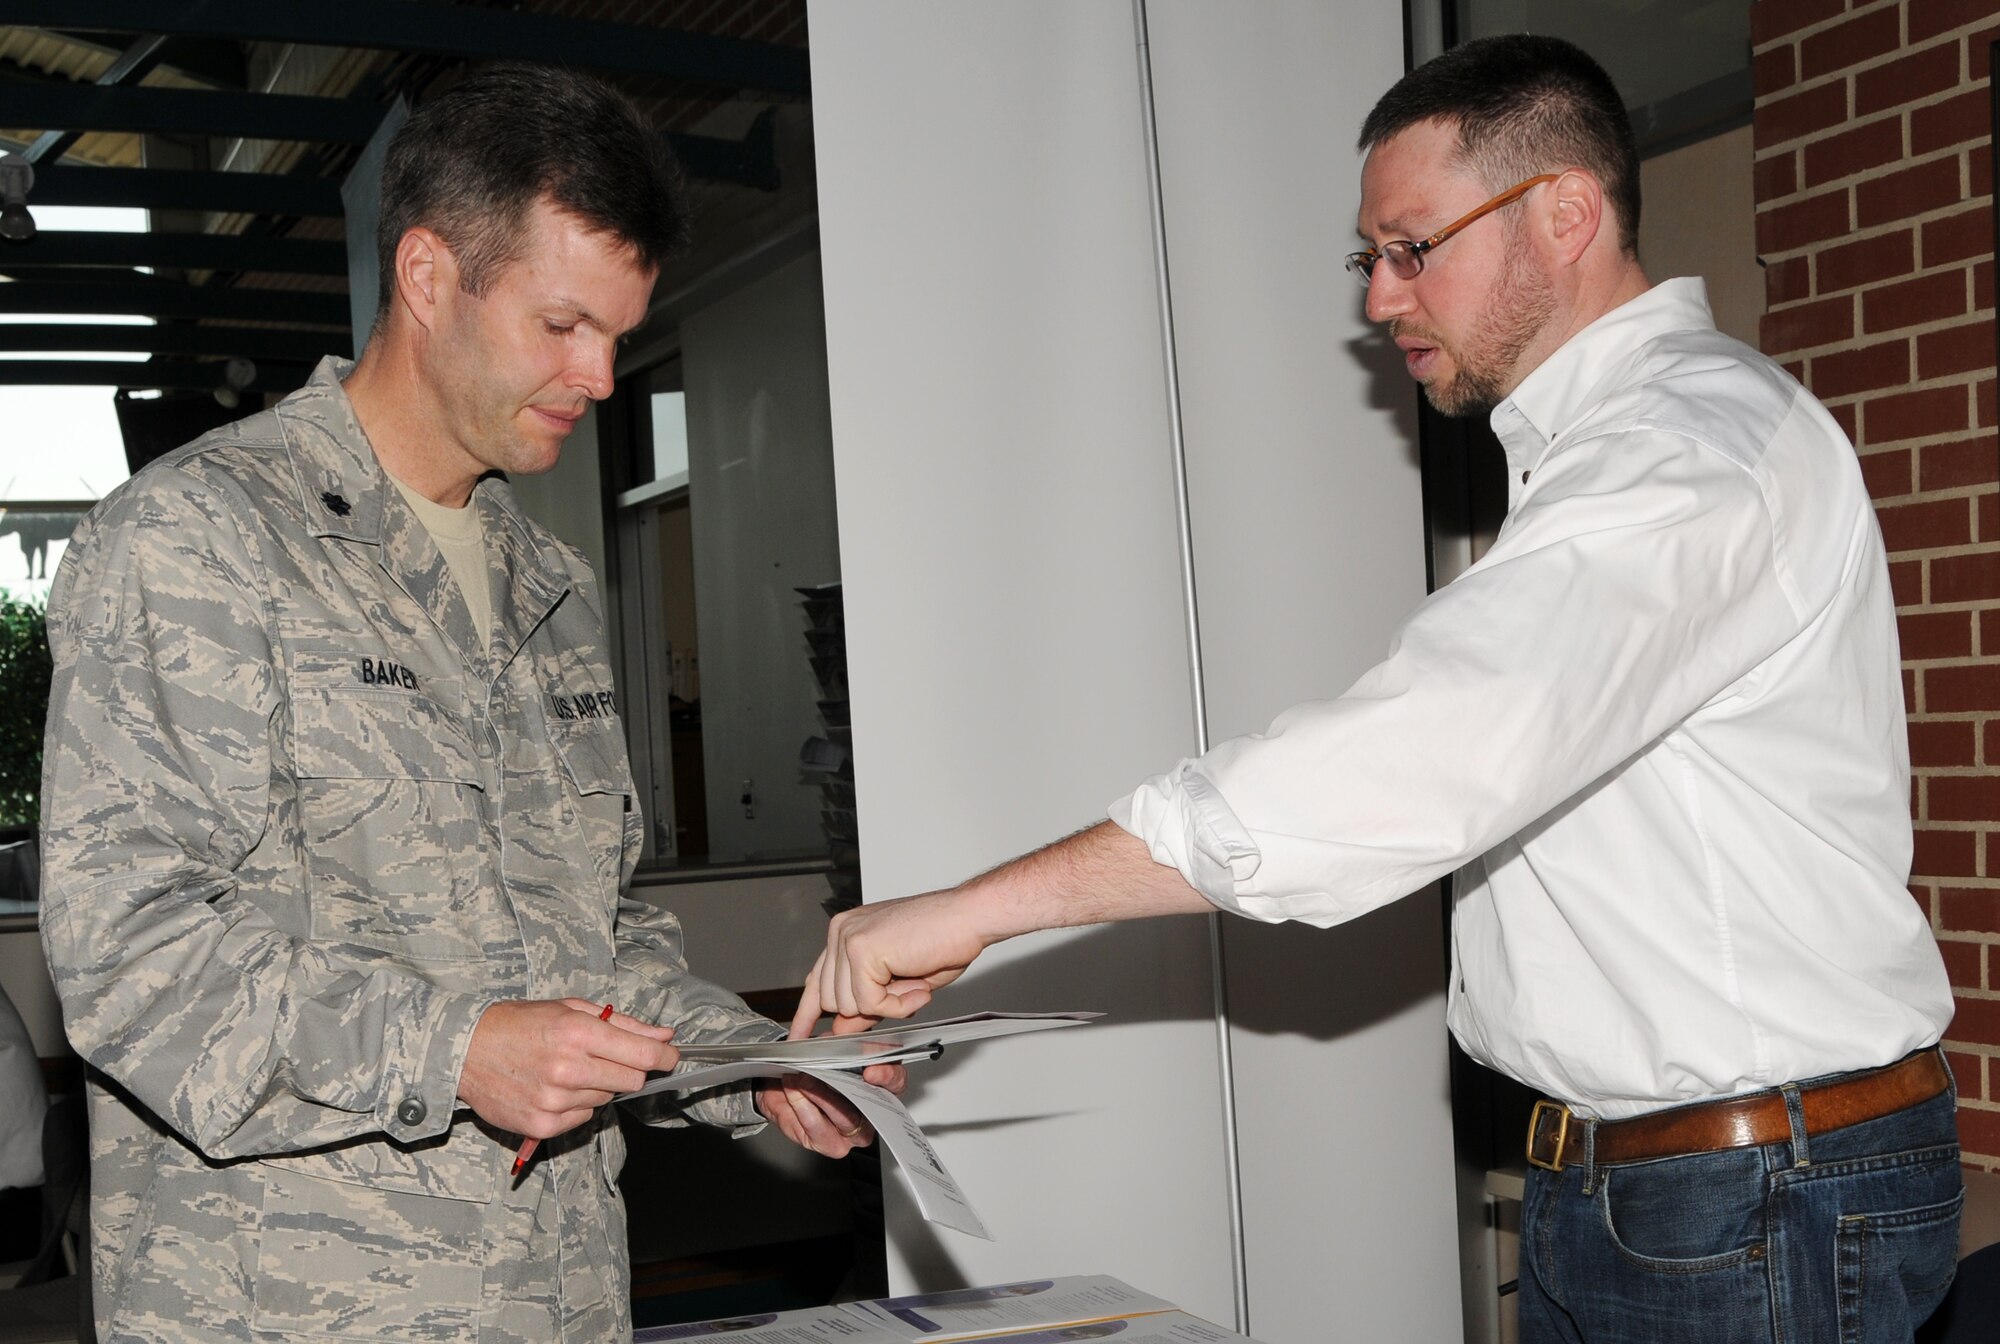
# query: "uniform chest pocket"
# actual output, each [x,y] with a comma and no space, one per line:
[390,794]
[596,772]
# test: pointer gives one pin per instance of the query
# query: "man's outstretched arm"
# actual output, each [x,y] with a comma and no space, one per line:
[885,960]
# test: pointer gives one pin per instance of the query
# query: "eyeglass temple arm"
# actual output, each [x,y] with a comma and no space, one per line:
[1507,197]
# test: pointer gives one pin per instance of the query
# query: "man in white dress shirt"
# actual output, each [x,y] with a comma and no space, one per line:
[1657,731]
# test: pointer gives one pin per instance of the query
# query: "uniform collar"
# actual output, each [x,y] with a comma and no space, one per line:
[1550,398]
[341,485]
[346,494]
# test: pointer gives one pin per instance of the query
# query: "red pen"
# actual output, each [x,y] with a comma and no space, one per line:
[527,1149]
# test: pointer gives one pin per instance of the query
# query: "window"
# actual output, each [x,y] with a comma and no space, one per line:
[64,451]
[43,492]
[727,435]
[1684,70]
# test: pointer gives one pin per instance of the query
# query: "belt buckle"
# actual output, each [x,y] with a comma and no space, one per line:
[1538,1126]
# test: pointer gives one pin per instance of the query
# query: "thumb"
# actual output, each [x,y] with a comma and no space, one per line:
[904,999]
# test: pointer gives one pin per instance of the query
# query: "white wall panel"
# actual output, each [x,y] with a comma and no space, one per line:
[1307,534]
[1017,653]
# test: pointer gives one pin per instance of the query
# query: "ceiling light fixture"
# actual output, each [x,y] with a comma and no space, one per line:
[17,175]
[237,375]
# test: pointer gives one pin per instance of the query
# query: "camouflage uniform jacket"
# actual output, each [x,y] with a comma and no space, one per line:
[300,829]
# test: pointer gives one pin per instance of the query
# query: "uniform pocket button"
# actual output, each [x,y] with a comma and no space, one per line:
[412,1111]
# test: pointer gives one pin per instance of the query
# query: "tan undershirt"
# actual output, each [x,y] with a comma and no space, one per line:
[462,542]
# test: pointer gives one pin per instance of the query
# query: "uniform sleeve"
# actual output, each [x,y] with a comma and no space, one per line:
[174,981]
[653,976]
[1637,582]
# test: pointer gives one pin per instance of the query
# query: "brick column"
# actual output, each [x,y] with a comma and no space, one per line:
[1874,184]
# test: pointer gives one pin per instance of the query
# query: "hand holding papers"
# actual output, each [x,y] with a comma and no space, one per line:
[836,1060]
[887,958]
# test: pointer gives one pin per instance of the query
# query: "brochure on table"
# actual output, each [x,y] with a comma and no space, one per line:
[837,1062]
[1034,1311]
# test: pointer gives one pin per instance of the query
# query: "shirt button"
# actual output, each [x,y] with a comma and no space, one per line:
[412,1111]
[1524,478]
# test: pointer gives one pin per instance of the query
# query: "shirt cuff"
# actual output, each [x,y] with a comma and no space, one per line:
[420,1086]
[732,1107]
[1186,824]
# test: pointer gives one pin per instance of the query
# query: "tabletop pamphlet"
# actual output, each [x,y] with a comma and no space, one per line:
[1033,1311]
[837,1061]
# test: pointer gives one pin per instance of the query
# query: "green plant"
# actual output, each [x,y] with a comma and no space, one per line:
[24,705]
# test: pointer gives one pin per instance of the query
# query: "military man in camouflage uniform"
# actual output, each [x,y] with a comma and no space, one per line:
[338,817]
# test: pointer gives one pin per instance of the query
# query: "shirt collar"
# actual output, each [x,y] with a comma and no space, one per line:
[340,482]
[346,494]
[1550,398]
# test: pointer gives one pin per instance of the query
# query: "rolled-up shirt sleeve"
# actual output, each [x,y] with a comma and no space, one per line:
[1638,578]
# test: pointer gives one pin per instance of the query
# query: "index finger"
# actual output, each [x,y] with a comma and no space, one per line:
[806,1016]
[644,1050]
[638,1026]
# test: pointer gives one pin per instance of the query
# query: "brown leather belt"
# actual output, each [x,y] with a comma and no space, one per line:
[1554,1142]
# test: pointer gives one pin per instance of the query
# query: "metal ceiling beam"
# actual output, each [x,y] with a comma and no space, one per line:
[146,111]
[122,278]
[167,299]
[214,62]
[184,251]
[181,189]
[170,377]
[445,30]
[752,161]
[132,65]
[302,347]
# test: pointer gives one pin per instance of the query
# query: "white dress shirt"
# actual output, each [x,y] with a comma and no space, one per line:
[1659,727]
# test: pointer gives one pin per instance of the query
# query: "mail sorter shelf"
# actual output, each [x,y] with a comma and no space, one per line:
[830,755]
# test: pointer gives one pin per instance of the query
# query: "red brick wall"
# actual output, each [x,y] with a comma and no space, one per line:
[1874,183]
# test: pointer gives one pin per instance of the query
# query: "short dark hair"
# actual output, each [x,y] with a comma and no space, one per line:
[1522,105]
[470,162]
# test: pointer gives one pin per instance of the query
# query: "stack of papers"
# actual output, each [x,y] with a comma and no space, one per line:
[837,1062]
[1036,1311]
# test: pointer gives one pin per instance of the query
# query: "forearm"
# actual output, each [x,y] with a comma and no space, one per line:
[653,982]
[1098,875]
[655,985]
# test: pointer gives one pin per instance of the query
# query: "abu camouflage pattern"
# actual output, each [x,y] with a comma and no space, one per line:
[301,827]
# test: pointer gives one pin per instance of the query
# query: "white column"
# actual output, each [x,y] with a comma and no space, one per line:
[1307,536]
[1016,648]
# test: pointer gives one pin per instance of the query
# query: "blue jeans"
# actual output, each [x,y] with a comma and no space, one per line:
[1849,1237]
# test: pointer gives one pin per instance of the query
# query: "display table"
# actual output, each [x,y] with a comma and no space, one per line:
[1033,1311]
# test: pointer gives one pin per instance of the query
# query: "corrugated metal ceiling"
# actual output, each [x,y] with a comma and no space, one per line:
[32,57]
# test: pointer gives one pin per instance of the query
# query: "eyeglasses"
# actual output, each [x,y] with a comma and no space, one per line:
[1406,259]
